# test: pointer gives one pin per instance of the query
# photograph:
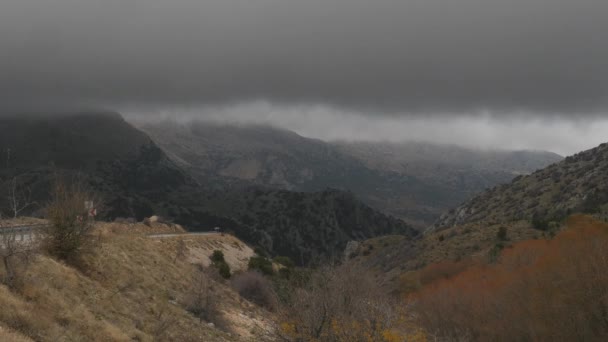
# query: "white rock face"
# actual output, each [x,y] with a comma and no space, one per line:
[351,248]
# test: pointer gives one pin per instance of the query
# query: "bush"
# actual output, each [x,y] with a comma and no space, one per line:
[217,257]
[341,303]
[502,234]
[200,300]
[540,223]
[70,223]
[285,261]
[219,262]
[16,256]
[224,270]
[261,264]
[542,290]
[256,288]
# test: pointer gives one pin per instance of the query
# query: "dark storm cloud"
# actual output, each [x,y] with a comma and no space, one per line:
[545,56]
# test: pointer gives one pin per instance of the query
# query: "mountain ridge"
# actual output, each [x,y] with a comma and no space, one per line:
[137,179]
[576,184]
[242,155]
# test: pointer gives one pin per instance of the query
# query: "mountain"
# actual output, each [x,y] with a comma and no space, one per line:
[531,207]
[455,173]
[415,182]
[117,160]
[303,226]
[579,183]
[448,163]
[137,179]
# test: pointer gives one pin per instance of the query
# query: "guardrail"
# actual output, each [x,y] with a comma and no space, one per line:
[22,228]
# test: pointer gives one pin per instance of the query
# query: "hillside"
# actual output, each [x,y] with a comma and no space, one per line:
[136,179]
[303,226]
[577,184]
[415,182]
[530,207]
[130,287]
[115,159]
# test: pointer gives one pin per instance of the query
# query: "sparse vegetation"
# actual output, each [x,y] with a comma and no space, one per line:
[70,221]
[201,301]
[541,290]
[261,264]
[342,303]
[501,234]
[16,254]
[217,258]
[255,287]
[130,288]
[285,261]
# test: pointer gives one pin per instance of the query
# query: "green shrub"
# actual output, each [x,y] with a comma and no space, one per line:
[502,234]
[261,264]
[540,223]
[224,270]
[68,234]
[285,261]
[217,257]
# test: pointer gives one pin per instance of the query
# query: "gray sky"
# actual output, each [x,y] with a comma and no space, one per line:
[523,70]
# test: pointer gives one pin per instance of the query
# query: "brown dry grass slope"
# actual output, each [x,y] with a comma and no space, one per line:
[131,287]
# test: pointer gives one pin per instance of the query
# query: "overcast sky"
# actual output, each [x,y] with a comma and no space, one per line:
[497,73]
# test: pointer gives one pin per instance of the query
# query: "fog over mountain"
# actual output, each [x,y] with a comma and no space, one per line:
[486,73]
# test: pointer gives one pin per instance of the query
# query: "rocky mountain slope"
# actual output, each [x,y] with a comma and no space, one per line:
[304,226]
[117,160]
[136,179]
[415,182]
[579,183]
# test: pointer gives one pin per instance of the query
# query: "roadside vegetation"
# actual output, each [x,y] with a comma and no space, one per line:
[552,289]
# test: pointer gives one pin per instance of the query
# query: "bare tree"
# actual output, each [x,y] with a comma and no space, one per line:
[163,320]
[16,251]
[19,198]
[181,250]
[339,303]
[201,301]
[256,288]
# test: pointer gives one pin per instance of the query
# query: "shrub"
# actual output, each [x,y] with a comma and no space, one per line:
[540,223]
[16,256]
[257,263]
[224,270]
[542,290]
[285,261]
[70,222]
[254,287]
[200,300]
[217,256]
[260,252]
[343,303]
[502,233]
[219,262]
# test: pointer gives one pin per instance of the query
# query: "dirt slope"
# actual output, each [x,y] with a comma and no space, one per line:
[130,287]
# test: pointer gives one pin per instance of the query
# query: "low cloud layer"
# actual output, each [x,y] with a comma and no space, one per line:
[481,131]
[399,57]
[483,73]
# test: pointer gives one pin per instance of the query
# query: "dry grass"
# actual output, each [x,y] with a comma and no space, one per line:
[19,221]
[134,289]
[396,257]
[7,335]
